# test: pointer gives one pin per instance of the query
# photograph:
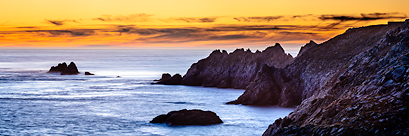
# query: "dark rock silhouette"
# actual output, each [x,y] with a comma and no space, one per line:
[167,79]
[188,117]
[71,69]
[236,69]
[165,76]
[62,68]
[88,73]
[357,83]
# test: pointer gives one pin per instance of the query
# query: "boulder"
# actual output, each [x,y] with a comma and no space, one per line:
[62,68]
[188,117]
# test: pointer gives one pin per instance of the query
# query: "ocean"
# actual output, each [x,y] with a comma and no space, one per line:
[34,102]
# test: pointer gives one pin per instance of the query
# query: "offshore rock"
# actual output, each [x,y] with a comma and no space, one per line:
[234,70]
[188,117]
[170,80]
[354,84]
[88,73]
[62,68]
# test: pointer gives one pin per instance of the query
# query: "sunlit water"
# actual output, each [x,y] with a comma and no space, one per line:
[33,102]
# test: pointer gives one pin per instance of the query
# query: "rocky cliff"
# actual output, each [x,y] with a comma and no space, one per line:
[354,84]
[236,69]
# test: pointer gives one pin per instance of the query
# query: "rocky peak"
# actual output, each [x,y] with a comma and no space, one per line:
[307,46]
[62,68]
[235,70]
[276,48]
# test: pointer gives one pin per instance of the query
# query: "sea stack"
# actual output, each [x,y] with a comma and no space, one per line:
[62,68]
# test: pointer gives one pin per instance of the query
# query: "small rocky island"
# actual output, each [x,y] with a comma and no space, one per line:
[62,68]
[356,83]
[188,117]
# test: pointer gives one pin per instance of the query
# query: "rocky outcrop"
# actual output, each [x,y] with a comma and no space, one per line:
[234,70]
[317,67]
[167,79]
[88,73]
[188,117]
[356,83]
[62,68]
[265,88]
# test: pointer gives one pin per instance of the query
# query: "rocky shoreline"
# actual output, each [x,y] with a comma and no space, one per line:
[353,84]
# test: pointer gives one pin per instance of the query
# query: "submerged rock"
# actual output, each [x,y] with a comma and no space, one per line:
[188,117]
[62,68]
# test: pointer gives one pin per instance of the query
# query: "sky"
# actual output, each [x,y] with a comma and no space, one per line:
[186,23]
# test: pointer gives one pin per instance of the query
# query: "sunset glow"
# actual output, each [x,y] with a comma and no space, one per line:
[185,23]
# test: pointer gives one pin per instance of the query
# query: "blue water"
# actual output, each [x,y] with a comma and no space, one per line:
[33,102]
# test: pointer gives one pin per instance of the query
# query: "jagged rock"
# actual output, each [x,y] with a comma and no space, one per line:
[71,70]
[236,69]
[62,68]
[306,47]
[188,117]
[340,86]
[88,73]
[266,88]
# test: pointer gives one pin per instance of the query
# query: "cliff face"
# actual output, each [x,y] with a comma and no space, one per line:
[316,68]
[356,83]
[236,69]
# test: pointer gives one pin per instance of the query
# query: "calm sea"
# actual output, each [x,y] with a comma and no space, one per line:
[33,102]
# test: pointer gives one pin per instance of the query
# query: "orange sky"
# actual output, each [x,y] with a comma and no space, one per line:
[186,23]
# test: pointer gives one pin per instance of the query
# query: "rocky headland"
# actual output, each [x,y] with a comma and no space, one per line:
[353,84]
[230,70]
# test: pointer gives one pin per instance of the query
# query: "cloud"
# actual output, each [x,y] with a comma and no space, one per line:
[127,18]
[27,27]
[75,32]
[362,17]
[192,19]
[258,19]
[59,22]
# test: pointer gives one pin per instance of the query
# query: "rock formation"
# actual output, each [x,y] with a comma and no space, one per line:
[188,117]
[62,68]
[167,79]
[236,69]
[356,83]
[88,73]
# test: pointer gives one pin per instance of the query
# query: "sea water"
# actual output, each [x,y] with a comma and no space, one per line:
[118,99]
